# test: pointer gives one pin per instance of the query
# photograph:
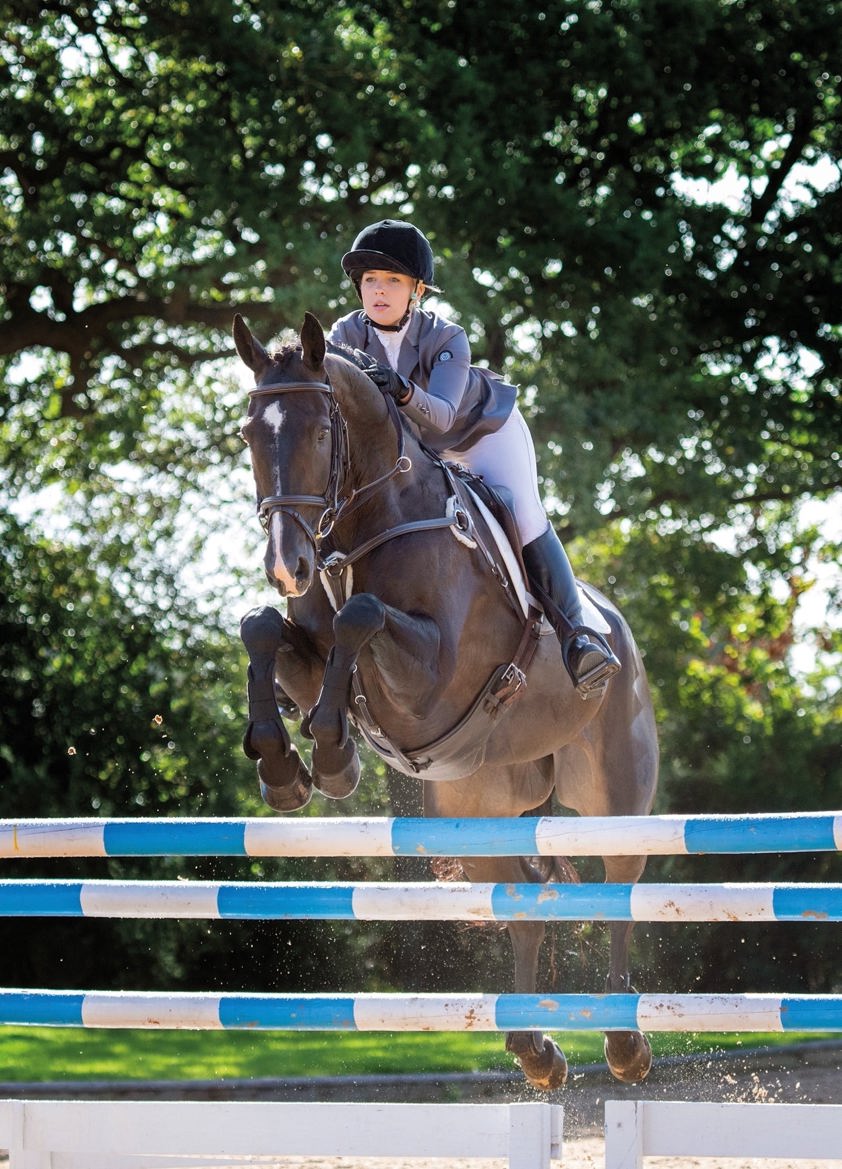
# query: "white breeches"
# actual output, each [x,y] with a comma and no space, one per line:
[507,457]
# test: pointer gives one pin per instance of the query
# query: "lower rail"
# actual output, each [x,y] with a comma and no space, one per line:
[112,1134]
[635,1129]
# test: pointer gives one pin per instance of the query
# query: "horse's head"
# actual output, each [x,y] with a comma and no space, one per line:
[297,433]
[291,431]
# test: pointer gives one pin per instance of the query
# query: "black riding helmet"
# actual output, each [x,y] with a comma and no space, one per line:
[391,246]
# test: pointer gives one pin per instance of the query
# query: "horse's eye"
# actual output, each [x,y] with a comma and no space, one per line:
[324,433]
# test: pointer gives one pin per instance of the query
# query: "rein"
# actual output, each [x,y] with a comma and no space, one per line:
[335,507]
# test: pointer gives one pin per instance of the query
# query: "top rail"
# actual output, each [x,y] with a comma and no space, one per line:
[311,836]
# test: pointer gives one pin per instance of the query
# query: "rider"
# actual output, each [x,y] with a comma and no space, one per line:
[465,413]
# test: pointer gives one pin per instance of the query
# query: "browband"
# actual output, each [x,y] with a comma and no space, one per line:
[286,387]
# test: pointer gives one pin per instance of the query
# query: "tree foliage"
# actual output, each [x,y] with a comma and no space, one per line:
[164,164]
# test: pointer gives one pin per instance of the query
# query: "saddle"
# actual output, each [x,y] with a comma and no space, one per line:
[500,502]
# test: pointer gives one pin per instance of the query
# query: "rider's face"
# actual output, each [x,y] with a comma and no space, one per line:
[385,295]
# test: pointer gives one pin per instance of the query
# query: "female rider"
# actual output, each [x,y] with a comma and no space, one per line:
[465,413]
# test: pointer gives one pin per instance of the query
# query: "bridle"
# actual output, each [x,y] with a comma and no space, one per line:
[335,505]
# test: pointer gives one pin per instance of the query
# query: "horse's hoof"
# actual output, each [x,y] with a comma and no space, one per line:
[545,1070]
[628,1055]
[289,798]
[285,783]
[339,784]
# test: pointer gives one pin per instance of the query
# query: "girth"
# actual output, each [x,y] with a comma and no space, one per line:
[461,750]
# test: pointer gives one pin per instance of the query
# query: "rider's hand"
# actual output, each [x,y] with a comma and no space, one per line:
[390,382]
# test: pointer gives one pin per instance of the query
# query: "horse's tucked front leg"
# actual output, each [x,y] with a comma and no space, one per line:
[285,783]
[336,764]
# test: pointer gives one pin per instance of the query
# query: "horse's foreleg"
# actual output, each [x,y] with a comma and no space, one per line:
[285,783]
[336,764]
[405,653]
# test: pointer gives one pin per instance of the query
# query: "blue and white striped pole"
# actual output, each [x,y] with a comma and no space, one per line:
[420,901]
[383,836]
[422,1012]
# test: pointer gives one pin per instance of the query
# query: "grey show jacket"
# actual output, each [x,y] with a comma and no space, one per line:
[453,403]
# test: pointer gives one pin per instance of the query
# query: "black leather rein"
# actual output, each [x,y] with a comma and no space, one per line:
[334,506]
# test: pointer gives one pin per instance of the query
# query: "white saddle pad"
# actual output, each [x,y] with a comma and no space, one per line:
[591,616]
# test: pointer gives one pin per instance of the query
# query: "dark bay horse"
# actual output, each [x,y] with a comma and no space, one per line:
[398,613]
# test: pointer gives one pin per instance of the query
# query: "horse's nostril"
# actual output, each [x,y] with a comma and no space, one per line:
[302,572]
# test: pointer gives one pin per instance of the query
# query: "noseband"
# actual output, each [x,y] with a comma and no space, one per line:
[334,505]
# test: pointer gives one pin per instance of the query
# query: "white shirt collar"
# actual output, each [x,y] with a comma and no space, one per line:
[391,342]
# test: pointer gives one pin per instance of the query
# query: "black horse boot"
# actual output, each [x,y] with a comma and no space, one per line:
[587,655]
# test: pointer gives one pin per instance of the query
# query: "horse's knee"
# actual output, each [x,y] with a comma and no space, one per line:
[262,630]
[358,620]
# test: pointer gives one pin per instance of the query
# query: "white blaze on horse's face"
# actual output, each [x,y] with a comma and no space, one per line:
[276,568]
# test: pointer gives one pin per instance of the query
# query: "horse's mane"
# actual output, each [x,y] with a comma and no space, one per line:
[356,356]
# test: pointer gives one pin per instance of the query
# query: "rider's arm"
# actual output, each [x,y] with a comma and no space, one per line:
[435,407]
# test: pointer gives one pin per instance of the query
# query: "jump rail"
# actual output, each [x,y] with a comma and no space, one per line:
[383,836]
[120,1135]
[420,901]
[421,1012]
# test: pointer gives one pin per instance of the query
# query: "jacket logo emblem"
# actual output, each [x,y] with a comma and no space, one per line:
[445,355]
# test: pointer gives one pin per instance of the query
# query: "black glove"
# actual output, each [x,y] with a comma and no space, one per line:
[389,382]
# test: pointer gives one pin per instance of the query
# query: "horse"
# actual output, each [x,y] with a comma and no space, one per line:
[401,625]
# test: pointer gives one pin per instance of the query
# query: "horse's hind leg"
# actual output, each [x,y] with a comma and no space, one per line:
[627,1053]
[510,790]
[613,771]
[541,1059]
[285,783]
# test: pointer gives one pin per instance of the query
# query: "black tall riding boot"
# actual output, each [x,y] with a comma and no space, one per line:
[587,655]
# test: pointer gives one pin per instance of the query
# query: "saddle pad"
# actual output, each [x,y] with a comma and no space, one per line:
[591,616]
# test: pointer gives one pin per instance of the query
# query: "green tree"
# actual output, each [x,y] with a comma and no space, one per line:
[162,165]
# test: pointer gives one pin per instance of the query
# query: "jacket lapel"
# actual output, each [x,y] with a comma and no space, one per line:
[408,356]
[373,347]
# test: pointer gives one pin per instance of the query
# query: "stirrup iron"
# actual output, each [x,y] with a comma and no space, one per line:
[594,681]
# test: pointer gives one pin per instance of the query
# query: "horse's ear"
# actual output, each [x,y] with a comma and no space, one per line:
[312,342]
[248,347]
